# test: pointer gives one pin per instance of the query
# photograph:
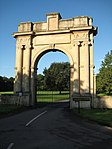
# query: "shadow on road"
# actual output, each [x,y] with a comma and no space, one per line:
[59,104]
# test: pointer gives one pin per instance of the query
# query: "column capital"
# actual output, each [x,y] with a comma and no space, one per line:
[86,43]
[76,43]
[19,46]
[28,46]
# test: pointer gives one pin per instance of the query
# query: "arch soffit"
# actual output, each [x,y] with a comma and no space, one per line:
[45,50]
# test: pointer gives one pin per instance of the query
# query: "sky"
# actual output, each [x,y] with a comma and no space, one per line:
[13,12]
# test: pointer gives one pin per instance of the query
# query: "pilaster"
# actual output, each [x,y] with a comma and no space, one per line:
[91,64]
[26,69]
[77,68]
[18,68]
[86,67]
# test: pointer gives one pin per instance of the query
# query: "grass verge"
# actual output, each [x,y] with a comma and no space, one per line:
[8,110]
[104,94]
[103,117]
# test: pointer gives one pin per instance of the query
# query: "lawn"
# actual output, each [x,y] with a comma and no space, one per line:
[52,96]
[48,96]
[103,117]
[42,96]
[104,94]
[8,92]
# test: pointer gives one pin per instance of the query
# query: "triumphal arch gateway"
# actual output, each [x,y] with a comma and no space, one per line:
[74,37]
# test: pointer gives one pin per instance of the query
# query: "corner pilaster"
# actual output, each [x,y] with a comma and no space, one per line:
[18,69]
[86,67]
[76,88]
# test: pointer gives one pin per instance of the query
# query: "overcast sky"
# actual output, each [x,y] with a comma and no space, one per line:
[12,12]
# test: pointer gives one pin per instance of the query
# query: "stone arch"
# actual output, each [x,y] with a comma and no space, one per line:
[74,37]
[45,50]
[36,59]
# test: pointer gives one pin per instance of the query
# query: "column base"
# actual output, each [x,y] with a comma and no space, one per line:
[23,98]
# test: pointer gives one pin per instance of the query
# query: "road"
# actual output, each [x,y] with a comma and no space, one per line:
[52,127]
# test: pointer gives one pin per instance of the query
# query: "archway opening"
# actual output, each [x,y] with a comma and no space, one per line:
[53,77]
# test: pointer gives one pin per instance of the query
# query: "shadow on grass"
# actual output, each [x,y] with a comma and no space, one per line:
[103,117]
[7,110]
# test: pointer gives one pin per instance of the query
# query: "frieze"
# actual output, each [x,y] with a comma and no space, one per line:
[23,40]
[76,43]
[52,39]
[81,36]
[23,43]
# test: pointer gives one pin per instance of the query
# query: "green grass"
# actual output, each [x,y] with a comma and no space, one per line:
[103,117]
[9,92]
[42,96]
[52,96]
[104,94]
[7,110]
[48,96]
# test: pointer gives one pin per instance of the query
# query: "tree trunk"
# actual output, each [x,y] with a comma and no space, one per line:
[60,92]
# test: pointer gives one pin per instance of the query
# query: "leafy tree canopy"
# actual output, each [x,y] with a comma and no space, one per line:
[104,78]
[56,77]
[6,84]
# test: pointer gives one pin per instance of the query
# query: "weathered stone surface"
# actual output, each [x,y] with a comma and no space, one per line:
[103,102]
[74,37]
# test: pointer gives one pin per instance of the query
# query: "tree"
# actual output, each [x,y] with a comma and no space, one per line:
[6,84]
[104,78]
[57,76]
[40,82]
[1,84]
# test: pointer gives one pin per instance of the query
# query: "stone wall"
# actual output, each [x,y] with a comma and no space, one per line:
[103,102]
[81,104]
[14,99]
[99,102]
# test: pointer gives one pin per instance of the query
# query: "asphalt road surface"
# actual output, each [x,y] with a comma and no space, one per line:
[52,127]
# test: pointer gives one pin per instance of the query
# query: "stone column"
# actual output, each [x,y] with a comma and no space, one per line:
[76,69]
[91,72]
[91,65]
[71,80]
[27,69]
[94,86]
[86,67]
[19,65]
[33,86]
[26,89]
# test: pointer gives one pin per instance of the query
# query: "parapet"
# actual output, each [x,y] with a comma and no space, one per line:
[54,22]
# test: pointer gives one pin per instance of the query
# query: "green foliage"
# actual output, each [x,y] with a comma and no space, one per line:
[104,78]
[56,77]
[6,84]
[40,82]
